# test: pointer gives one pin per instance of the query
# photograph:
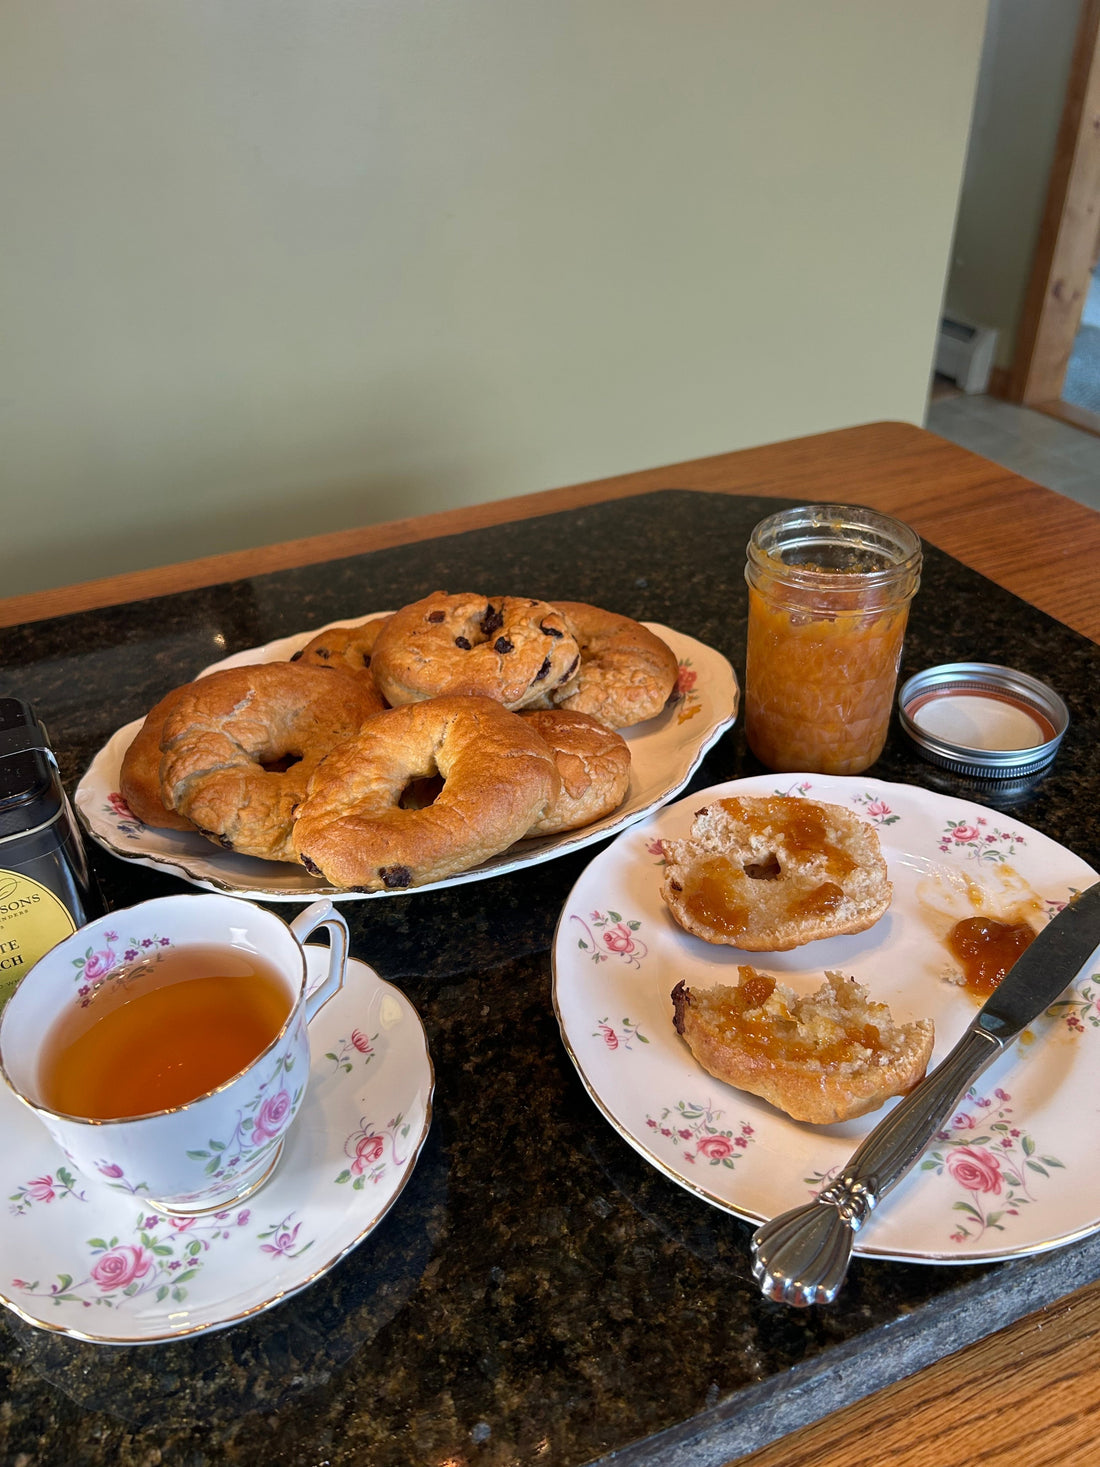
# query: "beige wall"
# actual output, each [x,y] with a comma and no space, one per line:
[275,268]
[1021,91]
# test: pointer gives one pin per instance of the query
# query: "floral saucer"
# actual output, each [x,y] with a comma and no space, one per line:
[88,1257]
[1013,1172]
[665,752]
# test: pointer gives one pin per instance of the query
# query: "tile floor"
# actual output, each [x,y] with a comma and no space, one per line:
[1053,453]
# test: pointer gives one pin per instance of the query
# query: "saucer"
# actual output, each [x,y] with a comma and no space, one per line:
[91,1259]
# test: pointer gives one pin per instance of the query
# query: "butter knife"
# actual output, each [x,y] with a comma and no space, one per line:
[802,1256]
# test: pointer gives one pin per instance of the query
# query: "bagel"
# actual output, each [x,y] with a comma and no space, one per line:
[139,777]
[824,1058]
[507,648]
[226,727]
[768,873]
[498,776]
[347,647]
[593,762]
[626,674]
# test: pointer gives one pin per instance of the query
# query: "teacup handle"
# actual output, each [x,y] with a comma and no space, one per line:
[324,914]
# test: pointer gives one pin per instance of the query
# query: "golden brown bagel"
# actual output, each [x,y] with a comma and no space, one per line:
[626,672]
[347,647]
[594,764]
[225,728]
[508,648]
[498,779]
[139,777]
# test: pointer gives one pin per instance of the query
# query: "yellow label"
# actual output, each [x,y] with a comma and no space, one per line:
[32,920]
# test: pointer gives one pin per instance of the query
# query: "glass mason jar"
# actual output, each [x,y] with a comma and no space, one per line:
[829,593]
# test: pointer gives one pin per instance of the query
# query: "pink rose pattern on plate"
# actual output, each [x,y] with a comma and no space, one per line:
[51,1187]
[684,693]
[616,938]
[695,1131]
[125,821]
[622,1038]
[367,1148]
[165,1255]
[347,1050]
[992,1159]
[988,1157]
[1083,1008]
[980,841]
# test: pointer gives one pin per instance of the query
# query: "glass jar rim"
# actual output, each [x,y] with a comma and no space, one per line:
[838,524]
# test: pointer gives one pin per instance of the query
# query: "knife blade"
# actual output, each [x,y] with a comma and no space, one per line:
[802,1256]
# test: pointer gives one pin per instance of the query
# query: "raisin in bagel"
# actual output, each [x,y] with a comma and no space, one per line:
[226,727]
[507,648]
[593,762]
[139,777]
[823,1058]
[347,647]
[767,873]
[498,779]
[626,672]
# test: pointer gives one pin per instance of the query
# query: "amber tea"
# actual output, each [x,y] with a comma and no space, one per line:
[200,1017]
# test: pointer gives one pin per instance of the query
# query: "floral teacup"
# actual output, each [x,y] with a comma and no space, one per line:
[213,1151]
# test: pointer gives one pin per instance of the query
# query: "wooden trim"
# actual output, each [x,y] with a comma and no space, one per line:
[1068,233]
[999,381]
[1069,412]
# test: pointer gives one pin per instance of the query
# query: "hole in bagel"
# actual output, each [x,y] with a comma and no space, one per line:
[281,764]
[418,794]
[766,870]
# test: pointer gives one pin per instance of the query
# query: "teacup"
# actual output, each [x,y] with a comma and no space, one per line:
[202,1154]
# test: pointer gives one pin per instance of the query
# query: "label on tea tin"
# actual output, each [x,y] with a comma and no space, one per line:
[32,920]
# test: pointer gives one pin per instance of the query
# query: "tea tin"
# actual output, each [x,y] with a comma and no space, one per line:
[46,891]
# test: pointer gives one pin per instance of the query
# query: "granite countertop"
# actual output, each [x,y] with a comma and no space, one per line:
[538,1293]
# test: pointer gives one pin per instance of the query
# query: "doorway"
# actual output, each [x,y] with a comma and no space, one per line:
[1059,339]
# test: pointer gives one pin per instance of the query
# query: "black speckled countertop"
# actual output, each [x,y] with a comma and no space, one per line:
[538,1294]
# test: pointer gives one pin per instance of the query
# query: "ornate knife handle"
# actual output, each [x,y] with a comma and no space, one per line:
[802,1256]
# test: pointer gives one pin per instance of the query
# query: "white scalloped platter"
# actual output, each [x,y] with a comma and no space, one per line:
[665,752]
[1015,1171]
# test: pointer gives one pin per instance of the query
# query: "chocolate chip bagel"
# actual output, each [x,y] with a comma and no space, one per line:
[507,648]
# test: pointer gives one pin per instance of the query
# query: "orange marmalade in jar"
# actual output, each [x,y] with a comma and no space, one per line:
[829,593]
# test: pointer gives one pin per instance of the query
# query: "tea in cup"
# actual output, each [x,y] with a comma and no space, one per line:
[166,1048]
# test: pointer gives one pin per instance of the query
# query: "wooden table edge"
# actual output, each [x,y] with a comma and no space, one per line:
[955,499]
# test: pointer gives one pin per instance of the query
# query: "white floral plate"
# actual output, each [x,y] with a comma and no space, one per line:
[665,752]
[1016,1171]
[85,1257]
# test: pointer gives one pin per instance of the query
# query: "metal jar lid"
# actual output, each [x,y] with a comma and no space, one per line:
[982,720]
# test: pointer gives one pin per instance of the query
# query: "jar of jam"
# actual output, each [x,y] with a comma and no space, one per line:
[829,593]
